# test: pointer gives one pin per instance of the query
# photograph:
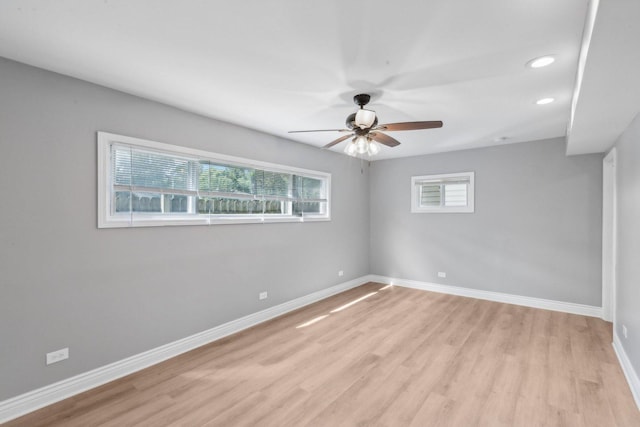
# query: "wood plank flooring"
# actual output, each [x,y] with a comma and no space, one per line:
[397,357]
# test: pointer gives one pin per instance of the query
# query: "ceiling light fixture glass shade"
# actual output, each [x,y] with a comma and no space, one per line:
[365,118]
[351,149]
[361,144]
[373,148]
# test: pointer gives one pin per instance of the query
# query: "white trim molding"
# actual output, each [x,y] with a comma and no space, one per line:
[442,181]
[609,236]
[566,307]
[110,144]
[39,398]
[630,374]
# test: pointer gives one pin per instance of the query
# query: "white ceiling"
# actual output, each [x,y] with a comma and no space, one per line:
[284,65]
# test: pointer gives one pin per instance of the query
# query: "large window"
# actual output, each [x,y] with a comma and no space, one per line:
[146,183]
[443,193]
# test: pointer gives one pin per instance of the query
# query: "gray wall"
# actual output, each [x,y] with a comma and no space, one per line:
[111,293]
[628,273]
[536,230]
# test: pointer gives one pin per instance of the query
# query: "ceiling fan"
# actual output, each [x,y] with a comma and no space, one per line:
[365,131]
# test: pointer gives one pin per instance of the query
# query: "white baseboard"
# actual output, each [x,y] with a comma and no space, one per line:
[36,399]
[627,368]
[566,307]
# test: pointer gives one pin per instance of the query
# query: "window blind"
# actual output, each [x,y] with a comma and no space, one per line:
[443,193]
[151,183]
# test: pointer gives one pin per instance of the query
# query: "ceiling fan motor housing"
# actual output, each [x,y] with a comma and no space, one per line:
[362,99]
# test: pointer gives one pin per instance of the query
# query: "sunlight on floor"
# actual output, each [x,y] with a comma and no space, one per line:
[342,307]
[312,321]
[355,301]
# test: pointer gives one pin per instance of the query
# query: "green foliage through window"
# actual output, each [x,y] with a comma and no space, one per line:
[156,183]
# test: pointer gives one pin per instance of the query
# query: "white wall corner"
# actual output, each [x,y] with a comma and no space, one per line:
[627,368]
[28,402]
[545,304]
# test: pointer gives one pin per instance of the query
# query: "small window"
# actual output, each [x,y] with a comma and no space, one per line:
[146,183]
[443,193]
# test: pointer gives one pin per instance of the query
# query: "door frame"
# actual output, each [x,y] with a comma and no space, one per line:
[609,236]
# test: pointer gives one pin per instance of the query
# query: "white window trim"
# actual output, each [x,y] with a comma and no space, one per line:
[415,194]
[107,220]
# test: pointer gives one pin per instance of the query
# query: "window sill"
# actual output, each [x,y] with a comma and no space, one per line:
[150,222]
[445,210]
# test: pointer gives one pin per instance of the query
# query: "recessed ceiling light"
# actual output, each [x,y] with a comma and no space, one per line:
[543,61]
[544,101]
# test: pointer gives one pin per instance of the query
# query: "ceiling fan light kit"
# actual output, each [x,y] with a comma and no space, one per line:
[351,149]
[362,145]
[365,131]
[373,148]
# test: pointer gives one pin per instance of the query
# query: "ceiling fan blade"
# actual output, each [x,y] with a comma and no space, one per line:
[411,125]
[320,130]
[337,141]
[384,139]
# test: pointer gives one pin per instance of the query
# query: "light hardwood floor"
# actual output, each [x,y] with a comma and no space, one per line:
[398,357]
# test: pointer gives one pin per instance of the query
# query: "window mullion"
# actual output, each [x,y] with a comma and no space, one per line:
[192,185]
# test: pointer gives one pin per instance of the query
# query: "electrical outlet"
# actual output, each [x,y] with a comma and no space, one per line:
[57,356]
[442,274]
[340,273]
[263,295]
[624,331]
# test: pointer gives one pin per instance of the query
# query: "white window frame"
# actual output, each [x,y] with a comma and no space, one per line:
[108,219]
[415,193]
